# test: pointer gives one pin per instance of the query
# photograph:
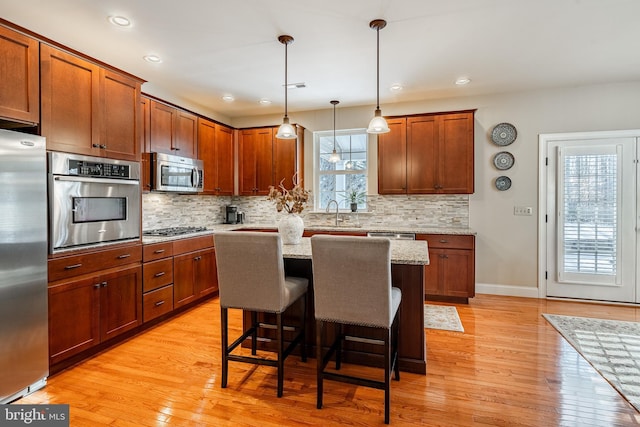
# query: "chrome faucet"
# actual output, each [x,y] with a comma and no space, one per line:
[337,208]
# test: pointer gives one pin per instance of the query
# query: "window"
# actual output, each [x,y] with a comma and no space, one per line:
[334,181]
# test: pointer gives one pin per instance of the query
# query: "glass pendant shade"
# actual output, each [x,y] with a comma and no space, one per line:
[334,157]
[378,124]
[286,130]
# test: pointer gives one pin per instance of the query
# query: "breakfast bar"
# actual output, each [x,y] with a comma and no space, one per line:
[408,258]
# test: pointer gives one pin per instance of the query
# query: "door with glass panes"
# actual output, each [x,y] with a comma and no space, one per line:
[591,199]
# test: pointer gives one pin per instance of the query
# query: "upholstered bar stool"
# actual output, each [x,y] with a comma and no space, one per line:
[251,277]
[352,286]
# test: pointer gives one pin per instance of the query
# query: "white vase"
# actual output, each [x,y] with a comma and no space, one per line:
[291,227]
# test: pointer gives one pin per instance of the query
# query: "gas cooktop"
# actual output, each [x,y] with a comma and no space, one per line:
[173,231]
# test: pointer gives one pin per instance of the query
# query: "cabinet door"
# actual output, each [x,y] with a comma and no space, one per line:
[121,137]
[70,102]
[285,152]
[19,92]
[458,273]
[455,158]
[74,317]
[207,153]
[432,273]
[186,144]
[255,161]
[162,120]
[205,272]
[184,289]
[224,160]
[392,158]
[421,155]
[120,301]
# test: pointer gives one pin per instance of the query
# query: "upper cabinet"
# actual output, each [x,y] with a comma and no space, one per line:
[20,77]
[173,131]
[215,149]
[264,160]
[427,154]
[87,109]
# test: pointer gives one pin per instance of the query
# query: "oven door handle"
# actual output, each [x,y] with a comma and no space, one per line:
[96,180]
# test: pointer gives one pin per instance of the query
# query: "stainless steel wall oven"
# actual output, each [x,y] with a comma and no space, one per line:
[92,200]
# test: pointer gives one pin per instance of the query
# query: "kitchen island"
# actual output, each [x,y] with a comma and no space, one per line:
[408,258]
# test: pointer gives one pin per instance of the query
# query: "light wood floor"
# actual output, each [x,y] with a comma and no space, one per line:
[509,368]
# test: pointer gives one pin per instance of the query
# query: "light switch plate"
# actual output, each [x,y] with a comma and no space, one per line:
[523,210]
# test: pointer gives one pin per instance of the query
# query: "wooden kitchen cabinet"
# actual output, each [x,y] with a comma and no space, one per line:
[427,154]
[194,276]
[20,91]
[264,160]
[255,161]
[86,109]
[451,271]
[157,280]
[88,310]
[215,149]
[172,131]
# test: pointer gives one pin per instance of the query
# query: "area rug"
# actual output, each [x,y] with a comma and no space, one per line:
[442,317]
[612,347]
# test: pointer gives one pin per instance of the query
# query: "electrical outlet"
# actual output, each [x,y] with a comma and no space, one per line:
[523,210]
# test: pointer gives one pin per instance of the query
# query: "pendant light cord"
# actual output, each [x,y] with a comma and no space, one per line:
[285,78]
[378,68]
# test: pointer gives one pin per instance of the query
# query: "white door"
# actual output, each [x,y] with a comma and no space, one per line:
[591,218]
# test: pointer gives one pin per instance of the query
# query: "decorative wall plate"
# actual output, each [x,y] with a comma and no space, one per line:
[503,160]
[503,134]
[503,183]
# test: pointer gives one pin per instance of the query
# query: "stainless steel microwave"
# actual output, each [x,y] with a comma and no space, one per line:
[175,173]
[92,200]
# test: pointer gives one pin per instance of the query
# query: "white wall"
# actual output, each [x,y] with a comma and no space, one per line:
[506,245]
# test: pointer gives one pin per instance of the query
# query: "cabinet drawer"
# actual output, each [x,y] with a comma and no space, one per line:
[183,246]
[156,303]
[89,262]
[448,240]
[155,251]
[157,274]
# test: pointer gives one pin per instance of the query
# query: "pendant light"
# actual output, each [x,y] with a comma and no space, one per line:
[286,131]
[334,157]
[378,124]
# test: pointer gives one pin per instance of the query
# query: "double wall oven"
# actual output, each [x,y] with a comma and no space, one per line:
[92,201]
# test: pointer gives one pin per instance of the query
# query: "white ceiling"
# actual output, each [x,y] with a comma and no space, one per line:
[213,47]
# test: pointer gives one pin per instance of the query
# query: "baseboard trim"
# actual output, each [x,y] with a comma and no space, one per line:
[507,290]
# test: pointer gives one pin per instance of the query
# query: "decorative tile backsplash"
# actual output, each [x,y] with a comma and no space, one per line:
[169,209]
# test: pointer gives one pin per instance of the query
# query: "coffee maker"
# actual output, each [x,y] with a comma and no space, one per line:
[232,215]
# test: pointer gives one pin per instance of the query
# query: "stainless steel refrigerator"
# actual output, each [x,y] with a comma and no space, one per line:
[24,348]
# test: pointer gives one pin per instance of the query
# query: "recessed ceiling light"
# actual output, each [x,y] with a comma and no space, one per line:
[264,101]
[461,81]
[228,98]
[120,21]
[154,59]
[396,87]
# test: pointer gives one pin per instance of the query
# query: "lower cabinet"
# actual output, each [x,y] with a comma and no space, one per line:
[194,276]
[451,271]
[91,309]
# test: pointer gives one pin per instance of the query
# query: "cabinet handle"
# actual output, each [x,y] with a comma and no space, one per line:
[159,303]
[71,267]
[123,256]
[198,258]
[103,146]
[160,274]
[158,251]
[96,286]
[444,241]
[95,145]
[103,284]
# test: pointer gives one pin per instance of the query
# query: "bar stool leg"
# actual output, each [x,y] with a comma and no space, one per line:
[280,338]
[319,362]
[225,345]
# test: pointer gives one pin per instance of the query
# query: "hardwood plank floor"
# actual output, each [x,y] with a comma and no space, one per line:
[509,368]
